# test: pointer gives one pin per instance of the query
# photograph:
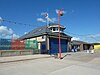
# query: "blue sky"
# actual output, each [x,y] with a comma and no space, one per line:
[82,16]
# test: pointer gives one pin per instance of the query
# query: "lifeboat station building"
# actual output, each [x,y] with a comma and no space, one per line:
[47,38]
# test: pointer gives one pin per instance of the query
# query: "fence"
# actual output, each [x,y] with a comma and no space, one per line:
[8,44]
[17,45]
[10,47]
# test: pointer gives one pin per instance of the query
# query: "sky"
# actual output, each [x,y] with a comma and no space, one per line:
[81,17]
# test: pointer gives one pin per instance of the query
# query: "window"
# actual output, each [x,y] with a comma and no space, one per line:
[53,29]
[56,29]
[61,30]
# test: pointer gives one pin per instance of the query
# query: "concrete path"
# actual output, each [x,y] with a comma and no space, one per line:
[79,63]
[76,70]
[22,58]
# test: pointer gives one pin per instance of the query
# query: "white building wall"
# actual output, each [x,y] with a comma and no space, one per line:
[39,46]
[32,38]
[41,38]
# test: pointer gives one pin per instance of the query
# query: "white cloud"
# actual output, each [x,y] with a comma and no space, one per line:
[25,32]
[75,38]
[53,19]
[90,38]
[98,42]
[7,33]
[94,36]
[5,30]
[50,20]
[41,20]
[10,36]
[45,16]
[15,36]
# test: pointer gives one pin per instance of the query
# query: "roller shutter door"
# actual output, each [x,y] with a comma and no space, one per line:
[53,43]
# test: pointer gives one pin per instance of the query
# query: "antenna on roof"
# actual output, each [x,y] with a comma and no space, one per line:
[46,16]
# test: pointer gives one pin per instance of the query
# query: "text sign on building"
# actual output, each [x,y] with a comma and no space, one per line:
[41,38]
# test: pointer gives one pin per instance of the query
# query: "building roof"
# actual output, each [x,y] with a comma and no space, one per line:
[76,42]
[43,30]
[96,43]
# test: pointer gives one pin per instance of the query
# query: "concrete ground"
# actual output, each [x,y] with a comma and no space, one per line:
[79,63]
[22,58]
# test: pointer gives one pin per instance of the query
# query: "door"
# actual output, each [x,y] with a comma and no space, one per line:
[53,43]
[43,48]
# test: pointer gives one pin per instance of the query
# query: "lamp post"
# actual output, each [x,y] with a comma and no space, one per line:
[60,13]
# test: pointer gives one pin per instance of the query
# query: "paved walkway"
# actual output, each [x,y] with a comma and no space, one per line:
[69,55]
[78,63]
[22,58]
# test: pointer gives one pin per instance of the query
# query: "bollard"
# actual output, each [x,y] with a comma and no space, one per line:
[87,51]
[92,51]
